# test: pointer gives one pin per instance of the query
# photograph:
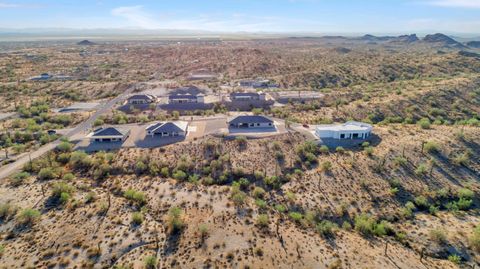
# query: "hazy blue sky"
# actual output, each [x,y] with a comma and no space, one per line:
[322,16]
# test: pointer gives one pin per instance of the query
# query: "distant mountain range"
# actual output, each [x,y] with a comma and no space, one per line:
[436,40]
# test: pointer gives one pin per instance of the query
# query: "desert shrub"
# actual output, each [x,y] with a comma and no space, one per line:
[324,149]
[137,218]
[258,175]
[19,178]
[165,172]
[280,208]
[7,211]
[239,198]
[461,159]
[65,147]
[431,147]
[465,193]
[272,181]
[98,122]
[464,204]
[326,166]
[179,175]
[365,224]
[150,262]
[140,167]
[28,216]
[295,216]
[383,228]
[80,159]
[422,169]
[421,202]
[46,173]
[400,161]
[135,196]
[424,123]
[474,239]
[368,151]
[262,220]
[241,140]
[346,226]
[261,203]
[175,218]
[433,210]
[438,236]
[455,258]
[258,192]
[326,228]
[68,177]
[340,149]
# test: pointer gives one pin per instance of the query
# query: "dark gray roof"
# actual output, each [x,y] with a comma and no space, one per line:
[109,131]
[141,96]
[167,127]
[250,119]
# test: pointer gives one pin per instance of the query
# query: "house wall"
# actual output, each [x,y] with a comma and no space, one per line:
[338,134]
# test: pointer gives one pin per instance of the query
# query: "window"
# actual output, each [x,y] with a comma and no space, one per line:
[342,136]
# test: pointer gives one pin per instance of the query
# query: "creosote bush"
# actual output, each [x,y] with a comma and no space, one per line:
[28,216]
[135,196]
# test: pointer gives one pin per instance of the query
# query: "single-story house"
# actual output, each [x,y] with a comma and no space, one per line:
[109,134]
[247,96]
[348,130]
[179,98]
[177,128]
[140,99]
[251,122]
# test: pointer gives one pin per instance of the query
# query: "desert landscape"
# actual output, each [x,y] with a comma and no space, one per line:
[250,182]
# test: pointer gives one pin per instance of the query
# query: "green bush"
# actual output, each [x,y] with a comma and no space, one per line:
[455,258]
[179,175]
[466,193]
[400,161]
[68,177]
[19,178]
[175,218]
[324,149]
[46,173]
[424,123]
[368,151]
[65,147]
[422,169]
[340,149]
[421,202]
[431,147]
[296,216]
[258,192]
[464,204]
[150,262]
[475,239]
[28,216]
[7,211]
[137,218]
[326,228]
[262,220]
[326,166]
[365,224]
[135,196]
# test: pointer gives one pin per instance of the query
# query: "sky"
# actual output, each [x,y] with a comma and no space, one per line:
[315,16]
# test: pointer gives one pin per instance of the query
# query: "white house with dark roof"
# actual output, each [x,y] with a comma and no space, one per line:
[109,134]
[247,96]
[140,99]
[179,98]
[255,121]
[165,129]
[348,130]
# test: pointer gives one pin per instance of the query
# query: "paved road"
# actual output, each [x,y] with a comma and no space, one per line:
[9,169]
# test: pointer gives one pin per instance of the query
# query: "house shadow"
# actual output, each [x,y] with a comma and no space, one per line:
[183,107]
[129,108]
[240,131]
[101,146]
[158,141]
